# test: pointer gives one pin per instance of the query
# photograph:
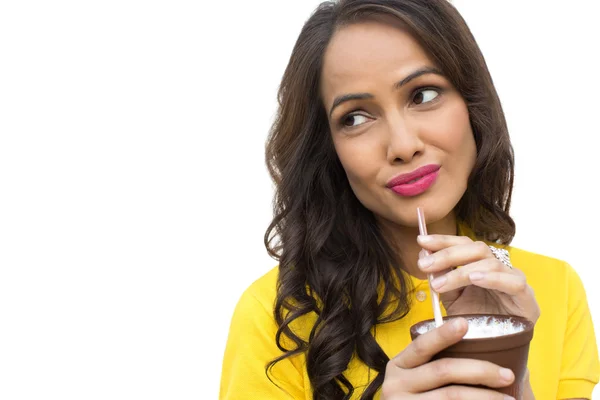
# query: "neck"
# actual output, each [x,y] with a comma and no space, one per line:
[404,240]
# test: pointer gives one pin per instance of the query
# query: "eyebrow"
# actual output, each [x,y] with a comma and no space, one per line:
[360,96]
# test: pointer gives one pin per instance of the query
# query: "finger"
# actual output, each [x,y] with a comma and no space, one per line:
[439,242]
[464,393]
[454,256]
[512,284]
[461,277]
[425,346]
[447,371]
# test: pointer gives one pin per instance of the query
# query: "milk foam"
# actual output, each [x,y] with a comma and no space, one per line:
[484,327]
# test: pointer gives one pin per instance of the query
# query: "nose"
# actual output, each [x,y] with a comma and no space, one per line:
[404,143]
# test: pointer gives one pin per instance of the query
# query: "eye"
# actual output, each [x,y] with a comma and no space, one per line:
[425,95]
[353,120]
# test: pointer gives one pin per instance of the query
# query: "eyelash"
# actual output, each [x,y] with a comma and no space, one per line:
[412,96]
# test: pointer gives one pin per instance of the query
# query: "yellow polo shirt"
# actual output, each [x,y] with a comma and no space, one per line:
[563,357]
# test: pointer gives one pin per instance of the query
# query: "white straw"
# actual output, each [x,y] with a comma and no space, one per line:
[435,299]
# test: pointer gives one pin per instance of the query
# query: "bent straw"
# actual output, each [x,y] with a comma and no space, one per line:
[435,299]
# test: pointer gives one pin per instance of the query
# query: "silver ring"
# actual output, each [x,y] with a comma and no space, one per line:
[502,256]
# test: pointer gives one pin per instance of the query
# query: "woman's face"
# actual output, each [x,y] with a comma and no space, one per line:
[386,121]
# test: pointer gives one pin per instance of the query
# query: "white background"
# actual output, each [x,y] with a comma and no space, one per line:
[133,192]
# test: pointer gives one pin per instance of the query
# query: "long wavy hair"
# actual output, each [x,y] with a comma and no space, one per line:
[334,261]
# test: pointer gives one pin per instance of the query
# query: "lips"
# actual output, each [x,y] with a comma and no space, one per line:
[415,182]
[413,176]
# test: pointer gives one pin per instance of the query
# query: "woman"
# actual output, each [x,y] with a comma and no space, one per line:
[387,105]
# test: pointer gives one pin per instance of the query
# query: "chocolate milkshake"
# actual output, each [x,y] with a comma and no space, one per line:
[500,339]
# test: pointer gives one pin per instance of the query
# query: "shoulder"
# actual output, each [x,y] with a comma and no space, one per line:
[261,293]
[253,313]
[539,266]
[564,340]
[551,278]
[521,258]
[534,264]
[264,289]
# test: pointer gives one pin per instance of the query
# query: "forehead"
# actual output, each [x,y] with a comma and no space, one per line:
[368,53]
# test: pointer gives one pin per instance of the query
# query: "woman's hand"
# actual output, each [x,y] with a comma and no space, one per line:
[411,374]
[483,285]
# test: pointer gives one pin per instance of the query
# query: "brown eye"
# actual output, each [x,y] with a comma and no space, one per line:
[425,96]
[354,120]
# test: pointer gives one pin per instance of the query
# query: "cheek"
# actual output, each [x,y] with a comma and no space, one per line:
[465,149]
[453,134]
[359,157]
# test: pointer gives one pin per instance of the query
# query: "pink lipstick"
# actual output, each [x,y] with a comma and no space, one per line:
[415,182]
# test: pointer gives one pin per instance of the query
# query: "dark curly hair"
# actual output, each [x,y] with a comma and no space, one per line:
[334,261]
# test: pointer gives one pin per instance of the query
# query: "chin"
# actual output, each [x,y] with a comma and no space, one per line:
[434,212]
[436,207]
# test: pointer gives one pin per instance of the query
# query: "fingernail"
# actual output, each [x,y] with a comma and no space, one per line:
[456,325]
[424,238]
[506,374]
[439,282]
[476,276]
[509,398]
[425,262]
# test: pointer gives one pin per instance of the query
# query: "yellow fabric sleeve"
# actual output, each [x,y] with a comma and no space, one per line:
[580,368]
[250,347]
